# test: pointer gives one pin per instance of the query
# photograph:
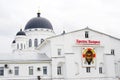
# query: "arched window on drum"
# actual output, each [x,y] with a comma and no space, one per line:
[36,43]
[42,41]
[21,46]
[30,43]
[17,46]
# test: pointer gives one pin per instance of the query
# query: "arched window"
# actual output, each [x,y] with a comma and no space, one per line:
[30,43]
[36,42]
[17,46]
[21,46]
[24,46]
[42,40]
[86,34]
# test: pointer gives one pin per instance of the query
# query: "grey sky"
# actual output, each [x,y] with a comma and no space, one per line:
[100,15]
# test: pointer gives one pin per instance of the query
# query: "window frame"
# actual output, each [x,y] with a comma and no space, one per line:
[88,69]
[45,70]
[59,51]
[30,42]
[86,34]
[21,46]
[16,70]
[100,70]
[35,42]
[31,72]
[42,40]
[59,70]
[112,51]
[1,71]
[17,46]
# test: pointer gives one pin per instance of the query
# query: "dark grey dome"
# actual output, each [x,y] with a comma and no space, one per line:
[14,41]
[21,33]
[38,22]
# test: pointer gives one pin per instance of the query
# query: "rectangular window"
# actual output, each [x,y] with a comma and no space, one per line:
[1,71]
[88,69]
[45,70]
[59,70]
[16,70]
[59,51]
[86,34]
[100,70]
[112,51]
[31,70]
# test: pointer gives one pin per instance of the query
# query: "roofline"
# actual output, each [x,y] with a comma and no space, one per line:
[104,34]
[40,45]
[84,29]
[47,39]
[23,61]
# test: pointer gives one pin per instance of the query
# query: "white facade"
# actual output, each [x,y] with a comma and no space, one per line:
[105,46]
[84,54]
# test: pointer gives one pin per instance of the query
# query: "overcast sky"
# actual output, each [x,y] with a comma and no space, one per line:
[69,15]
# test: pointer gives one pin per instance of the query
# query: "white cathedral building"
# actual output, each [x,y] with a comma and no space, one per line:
[39,54]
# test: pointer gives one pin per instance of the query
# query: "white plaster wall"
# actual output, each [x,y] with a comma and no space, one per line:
[33,34]
[69,45]
[39,34]
[71,53]
[20,40]
[24,70]
[55,62]
[46,48]
[109,65]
